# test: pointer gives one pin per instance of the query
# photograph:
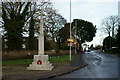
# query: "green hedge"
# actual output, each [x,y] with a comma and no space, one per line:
[66,47]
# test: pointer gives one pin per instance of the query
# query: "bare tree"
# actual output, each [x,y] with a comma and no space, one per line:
[110,24]
[17,20]
[53,21]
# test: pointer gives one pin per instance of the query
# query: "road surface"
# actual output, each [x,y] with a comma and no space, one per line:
[99,66]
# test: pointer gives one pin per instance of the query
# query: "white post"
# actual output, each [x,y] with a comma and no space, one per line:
[70,29]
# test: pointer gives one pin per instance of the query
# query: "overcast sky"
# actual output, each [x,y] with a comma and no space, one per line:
[90,10]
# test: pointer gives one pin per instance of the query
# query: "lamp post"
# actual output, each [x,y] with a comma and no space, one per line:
[76,37]
[70,31]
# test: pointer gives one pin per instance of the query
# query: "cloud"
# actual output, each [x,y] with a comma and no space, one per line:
[87,10]
[85,1]
[90,10]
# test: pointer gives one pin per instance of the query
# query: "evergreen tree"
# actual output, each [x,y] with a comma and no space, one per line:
[31,34]
[85,31]
[14,16]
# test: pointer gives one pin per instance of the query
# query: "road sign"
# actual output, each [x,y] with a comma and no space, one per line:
[70,40]
[75,42]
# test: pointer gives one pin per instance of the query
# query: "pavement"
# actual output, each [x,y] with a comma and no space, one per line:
[59,69]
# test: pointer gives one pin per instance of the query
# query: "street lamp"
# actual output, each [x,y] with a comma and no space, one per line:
[75,36]
[70,29]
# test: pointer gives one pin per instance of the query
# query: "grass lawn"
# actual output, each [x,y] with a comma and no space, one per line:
[64,58]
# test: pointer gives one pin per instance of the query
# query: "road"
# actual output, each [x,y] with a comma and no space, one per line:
[99,66]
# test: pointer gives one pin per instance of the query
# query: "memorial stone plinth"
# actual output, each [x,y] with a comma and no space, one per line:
[40,61]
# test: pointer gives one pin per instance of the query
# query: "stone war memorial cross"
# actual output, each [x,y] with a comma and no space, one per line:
[40,61]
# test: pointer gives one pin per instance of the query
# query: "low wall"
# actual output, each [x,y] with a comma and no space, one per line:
[17,54]
[23,54]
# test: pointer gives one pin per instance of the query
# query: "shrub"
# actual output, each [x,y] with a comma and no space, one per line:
[66,47]
[47,45]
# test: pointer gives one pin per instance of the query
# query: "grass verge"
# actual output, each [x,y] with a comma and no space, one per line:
[64,58]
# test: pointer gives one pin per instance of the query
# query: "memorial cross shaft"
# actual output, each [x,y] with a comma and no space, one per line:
[41,37]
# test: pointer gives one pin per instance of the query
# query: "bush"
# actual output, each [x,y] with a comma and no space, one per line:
[53,45]
[47,45]
[50,45]
[57,51]
[66,48]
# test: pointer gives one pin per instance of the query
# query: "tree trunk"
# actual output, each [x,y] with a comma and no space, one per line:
[53,37]
[109,33]
[31,34]
[113,31]
[79,45]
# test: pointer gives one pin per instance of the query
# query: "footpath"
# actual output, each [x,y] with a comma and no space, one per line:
[59,69]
